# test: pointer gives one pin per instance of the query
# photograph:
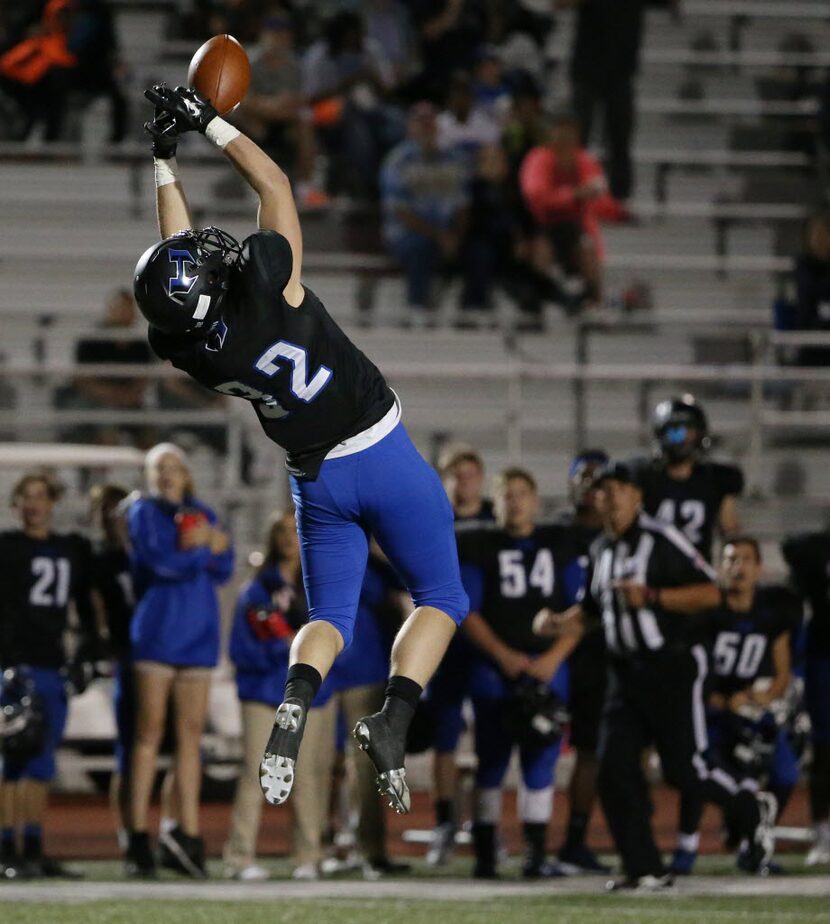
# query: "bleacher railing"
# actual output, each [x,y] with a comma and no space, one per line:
[761,380]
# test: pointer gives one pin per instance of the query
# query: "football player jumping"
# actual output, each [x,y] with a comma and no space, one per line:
[237,318]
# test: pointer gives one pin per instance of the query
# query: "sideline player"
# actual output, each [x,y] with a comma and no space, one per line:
[41,573]
[511,572]
[462,471]
[808,556]
[750,638]
[587,673]
[645,582]
[238,319]
[681,486]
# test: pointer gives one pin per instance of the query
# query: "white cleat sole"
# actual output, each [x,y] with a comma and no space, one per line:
[276,772]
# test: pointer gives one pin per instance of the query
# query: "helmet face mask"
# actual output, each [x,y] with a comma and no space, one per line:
[180,284]
[681,430]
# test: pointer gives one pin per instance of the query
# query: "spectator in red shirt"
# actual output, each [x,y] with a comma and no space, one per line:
[566,192]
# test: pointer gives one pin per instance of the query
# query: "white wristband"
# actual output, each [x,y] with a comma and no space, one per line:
[220,132]
[167,170]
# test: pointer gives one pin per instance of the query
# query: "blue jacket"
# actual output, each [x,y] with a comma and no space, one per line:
[262,664]
[366,660]
[176,619]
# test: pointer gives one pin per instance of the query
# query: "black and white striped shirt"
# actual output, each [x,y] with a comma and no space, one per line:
[653,553]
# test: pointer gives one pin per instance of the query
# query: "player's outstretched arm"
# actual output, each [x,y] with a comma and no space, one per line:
[171,204]
[277,210]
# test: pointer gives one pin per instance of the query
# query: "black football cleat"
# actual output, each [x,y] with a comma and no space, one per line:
[662,883]
[374,736]
[182,853]
[139,862]
[49,868]
[276,772]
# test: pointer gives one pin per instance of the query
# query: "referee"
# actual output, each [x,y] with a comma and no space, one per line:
[645,584]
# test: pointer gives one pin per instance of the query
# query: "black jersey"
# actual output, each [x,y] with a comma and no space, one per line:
[486,514]
[112,578]
[309,384]
[808,556]
[691,505]
[39,579]
[742,642]
[655,554]
[509,579]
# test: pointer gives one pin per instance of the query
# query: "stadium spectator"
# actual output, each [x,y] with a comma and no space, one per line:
[275,112]
[812,284]
[464,126]
[604,63]
[93,38]
[113,585]
[346,77]
[566,192]
[43,573]
[120,341]
[491,89]
[37,73]
[450,33]
[269,611]
[178,556]
[389,26]
[425,198]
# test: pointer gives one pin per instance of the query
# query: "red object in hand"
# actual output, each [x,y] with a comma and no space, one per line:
[187,520]
[269,624]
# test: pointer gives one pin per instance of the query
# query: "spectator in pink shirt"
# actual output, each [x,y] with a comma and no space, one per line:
[566,192]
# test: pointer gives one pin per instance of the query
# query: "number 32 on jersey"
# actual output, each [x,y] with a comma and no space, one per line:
[300,385]
[515,579]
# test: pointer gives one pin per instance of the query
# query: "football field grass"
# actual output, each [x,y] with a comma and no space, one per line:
[716,896]
[542,909]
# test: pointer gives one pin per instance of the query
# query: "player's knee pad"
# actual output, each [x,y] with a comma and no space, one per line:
[535,806]
[538,766]
[449,724]
[487,810]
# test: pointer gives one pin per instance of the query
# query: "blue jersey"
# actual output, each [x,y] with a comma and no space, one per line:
[176,619]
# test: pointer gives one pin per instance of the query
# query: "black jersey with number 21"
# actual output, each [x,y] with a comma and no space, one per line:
[309,384]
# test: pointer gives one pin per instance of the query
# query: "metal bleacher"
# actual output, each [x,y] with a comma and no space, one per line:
[713,241]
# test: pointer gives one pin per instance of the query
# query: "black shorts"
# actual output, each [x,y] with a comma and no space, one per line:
[566,238]
[588,682]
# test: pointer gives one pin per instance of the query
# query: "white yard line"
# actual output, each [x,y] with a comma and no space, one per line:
[443,890]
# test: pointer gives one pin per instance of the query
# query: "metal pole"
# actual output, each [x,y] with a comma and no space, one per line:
[580,398]
[758,346]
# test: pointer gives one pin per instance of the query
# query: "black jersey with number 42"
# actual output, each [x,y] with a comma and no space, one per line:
[691,505]
[38,580]
[309,384]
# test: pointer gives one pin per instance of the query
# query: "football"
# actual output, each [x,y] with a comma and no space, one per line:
[220,72]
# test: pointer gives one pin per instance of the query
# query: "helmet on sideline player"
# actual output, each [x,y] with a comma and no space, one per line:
[582,473]
[22,724]
[681,429]
[181,282]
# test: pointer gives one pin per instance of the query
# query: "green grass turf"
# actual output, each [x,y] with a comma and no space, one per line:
[550,909]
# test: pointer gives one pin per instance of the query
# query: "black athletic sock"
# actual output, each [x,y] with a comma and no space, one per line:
[444,812]
[302,684]
[484,845]
[32,842]
[577,826]
[402,696]
[535,834]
